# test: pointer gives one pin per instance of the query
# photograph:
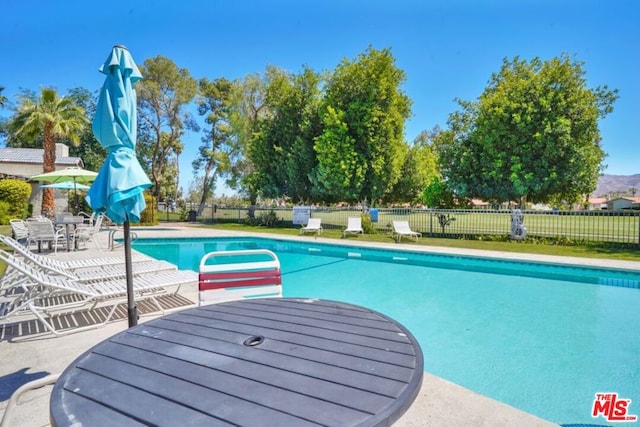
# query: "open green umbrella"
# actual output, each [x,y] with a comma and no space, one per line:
[119,186]
[73,175]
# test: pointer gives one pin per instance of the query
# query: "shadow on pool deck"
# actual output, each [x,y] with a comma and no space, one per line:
[28,354]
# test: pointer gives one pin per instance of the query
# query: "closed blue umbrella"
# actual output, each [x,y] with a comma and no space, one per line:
[118,189]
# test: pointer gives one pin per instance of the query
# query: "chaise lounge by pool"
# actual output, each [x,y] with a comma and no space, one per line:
[543,338]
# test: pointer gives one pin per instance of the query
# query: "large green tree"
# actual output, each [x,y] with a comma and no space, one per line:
[418,169]
[360,151]
[282,147]
[246,108]
[163,95]
[532,134]
[89,149]
[48,116]
[213,154]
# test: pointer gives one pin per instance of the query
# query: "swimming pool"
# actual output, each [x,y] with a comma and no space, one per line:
[539,337]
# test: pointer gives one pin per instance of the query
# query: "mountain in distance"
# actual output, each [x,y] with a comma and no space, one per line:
[617,184]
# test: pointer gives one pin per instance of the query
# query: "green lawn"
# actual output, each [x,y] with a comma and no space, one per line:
[512,246]
[594,226]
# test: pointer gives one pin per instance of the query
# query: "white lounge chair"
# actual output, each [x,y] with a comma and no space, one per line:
[354,226]
[402,229]
[313,226]
[233,275]
[44,294]
[83,262]
[83,272]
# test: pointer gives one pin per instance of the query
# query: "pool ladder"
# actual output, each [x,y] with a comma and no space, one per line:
[112,238]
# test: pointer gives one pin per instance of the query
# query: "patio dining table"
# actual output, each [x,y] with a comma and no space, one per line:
[68,221]
[255,362]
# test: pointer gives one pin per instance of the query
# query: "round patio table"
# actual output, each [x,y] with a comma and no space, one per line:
[257,362]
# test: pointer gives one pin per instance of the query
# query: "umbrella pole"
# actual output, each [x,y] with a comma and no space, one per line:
[75,195]
[132,310]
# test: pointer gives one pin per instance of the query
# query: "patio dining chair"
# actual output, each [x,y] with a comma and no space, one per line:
[20,230]
[89,219]
[42,230]
[86,232]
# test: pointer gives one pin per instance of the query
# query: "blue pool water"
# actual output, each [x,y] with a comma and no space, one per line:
[543,338]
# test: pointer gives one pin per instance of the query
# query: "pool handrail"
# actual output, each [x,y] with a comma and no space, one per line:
[238,280]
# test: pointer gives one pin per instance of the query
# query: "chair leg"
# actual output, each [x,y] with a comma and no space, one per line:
[31,385]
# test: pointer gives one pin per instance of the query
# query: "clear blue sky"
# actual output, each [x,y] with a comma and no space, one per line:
[448,48]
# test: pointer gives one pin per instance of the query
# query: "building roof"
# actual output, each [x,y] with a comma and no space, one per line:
[478,202]
[631,199]
[597,200]
[33,155]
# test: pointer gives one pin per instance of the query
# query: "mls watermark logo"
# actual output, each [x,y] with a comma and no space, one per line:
[612,408]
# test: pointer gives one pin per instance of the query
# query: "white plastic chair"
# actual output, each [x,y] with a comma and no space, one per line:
[89,219]
[42,230]
[313,226]
[20,230]
[354,226]
[402,229]
[15,396]
[83,232]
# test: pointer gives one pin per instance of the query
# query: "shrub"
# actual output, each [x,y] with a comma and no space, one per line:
[269,219]
[4,213]
[367,224]
[148,216]
[16,194]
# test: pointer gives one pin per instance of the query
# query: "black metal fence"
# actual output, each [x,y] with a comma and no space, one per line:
[589,226]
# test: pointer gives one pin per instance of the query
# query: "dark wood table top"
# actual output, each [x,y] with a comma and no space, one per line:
[260,362]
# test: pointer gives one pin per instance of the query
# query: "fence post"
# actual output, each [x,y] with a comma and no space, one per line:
[430,222]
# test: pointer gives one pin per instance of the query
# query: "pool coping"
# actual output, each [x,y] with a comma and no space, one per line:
[438,250]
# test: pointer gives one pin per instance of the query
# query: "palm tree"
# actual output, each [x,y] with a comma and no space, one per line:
[49,116]
[3,99]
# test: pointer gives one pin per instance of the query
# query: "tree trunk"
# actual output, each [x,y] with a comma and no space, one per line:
[48,165]
[253,200]
[208,183]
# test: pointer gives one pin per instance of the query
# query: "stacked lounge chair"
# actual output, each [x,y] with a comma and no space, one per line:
[95,268]
[44,291]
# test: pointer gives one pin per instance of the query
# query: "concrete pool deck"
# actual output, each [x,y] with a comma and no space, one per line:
[440,403]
